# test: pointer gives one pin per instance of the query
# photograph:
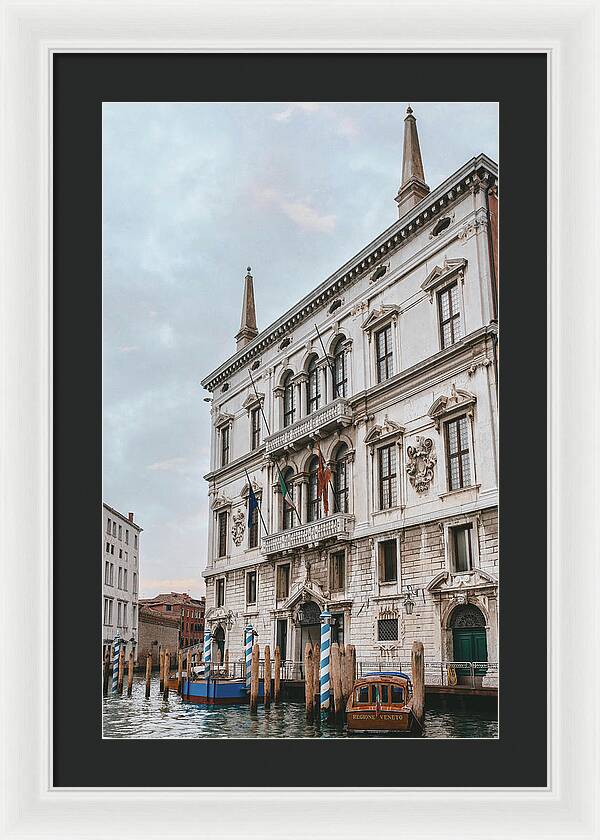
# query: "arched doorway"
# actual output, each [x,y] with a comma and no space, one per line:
[219,645]
[469,637]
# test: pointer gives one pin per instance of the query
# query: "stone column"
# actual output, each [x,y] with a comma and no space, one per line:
[302,501]
[301,401]
[277,421]
[324,389]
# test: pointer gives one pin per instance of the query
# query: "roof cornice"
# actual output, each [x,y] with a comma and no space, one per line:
[478,169]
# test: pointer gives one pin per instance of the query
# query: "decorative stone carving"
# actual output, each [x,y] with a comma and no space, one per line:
[239,524]
[387,429]
[444,405]
[421,462]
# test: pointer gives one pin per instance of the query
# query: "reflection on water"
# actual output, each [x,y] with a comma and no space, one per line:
[137,717]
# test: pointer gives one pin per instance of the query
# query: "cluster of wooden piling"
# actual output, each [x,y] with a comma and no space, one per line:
[269,676]
[342,676]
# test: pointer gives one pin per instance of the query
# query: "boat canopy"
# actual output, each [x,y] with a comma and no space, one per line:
[385,674]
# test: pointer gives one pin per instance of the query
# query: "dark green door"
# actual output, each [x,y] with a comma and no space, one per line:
[470,645]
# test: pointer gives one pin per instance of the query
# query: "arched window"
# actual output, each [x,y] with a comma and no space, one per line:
[340,479]
[312,387]
[340,374]
[313,504]
[287,502]
[289,400]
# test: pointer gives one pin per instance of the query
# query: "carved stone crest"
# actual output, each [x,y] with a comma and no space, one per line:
[239,522]
[421,462]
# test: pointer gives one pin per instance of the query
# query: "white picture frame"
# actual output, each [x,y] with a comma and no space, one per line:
[569,34]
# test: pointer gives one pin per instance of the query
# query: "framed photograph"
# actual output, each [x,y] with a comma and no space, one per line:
[299,420]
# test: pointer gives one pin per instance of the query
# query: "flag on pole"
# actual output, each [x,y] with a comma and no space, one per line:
[252,504]
[284,490]
[323,479]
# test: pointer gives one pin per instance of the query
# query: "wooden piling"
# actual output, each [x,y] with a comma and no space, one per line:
[130,675]
[277,682]
[226,662]
[317,676]
[107,663]
[267,676]
[148,674]
[167,667]
[336,680]
[344,675]
[179,670]
[121,671]
[418,681]
[254,678]
[161,670]
[309,675]
[350,663]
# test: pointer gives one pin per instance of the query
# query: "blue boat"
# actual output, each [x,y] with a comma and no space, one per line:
[217,691]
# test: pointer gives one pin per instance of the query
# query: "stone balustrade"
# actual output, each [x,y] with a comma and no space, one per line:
[339,525]
[317,424]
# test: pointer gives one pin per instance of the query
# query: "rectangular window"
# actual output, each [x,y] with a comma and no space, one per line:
[388,566]
[126,557]
[289,401]
[106,610]
[134,583]
[462,558]
[387,477]
[120,554]
[255,427]
[112,574]
[224,446]
[108,548]
[120,532]
[120,578]
[126,536]
[313,391]
[108,526]
[112,549]
[135,541]
[281,639]
[168,608]
[387,629]
[457,453]
[134,616]
[114,529]
[124,578]
[337,565]
[397,695]
[449,311]
[119,614]
[283,581]
[222,546]
[383,345]
[110,612]
[253,530]
[362,694]
[124,615]
[251,587]
[339,373]
[220,596]
[106,572]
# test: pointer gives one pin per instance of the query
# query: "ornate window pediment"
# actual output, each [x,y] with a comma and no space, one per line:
[252,401]
[379,317]
[461,582]
[223,419]
[421,463]
[449,270]
[246,489]
[388,429]
[308,591]
[220,501]
[458,400]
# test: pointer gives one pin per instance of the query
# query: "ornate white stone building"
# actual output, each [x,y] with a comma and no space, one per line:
[399,392]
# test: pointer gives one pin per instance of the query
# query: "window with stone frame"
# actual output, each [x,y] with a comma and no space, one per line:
[289,400]
[387,629]
[283,581]
[340,375]
[461,549]
[313,503]
[253,530]
[388,561]
[287,502]
[255,428]
[384,353]
[313,389]
[108,526]
[386,456]
[457,453]
[222,533]
[224,445]
[220,592]
[251,579]
[340,479]
[337,571]
[450,316]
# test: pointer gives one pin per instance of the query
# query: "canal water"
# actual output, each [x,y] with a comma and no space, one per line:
[137,717]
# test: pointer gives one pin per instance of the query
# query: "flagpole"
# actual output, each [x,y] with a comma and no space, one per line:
[269,432]
[257,505]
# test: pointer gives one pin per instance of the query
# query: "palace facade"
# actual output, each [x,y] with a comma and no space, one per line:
[389,370]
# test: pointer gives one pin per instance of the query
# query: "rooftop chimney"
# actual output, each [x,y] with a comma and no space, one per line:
[413,187]
[130,516]
[248,323]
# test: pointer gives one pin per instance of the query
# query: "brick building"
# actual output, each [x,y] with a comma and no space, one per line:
[188,611]
[156,632]
[388,372]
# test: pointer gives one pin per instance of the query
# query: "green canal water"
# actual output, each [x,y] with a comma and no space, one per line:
[137,717]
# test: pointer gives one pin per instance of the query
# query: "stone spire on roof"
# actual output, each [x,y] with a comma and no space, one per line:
[413,187]
[248,323]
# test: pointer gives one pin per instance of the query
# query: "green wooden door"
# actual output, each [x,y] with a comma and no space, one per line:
[470,645]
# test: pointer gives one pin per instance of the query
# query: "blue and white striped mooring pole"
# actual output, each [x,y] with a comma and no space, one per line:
[116,652]
[207,651]
[325,669]
[248,652]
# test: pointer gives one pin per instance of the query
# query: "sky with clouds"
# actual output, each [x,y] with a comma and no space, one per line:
[194,193]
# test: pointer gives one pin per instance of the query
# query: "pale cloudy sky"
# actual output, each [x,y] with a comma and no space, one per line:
[193,193]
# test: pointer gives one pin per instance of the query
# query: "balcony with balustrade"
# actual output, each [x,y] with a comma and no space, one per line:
[338,526]
[320,423]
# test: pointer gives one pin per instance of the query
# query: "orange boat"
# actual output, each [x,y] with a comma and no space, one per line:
[382,702]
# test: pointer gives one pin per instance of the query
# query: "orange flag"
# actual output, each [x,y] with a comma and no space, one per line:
[323,479]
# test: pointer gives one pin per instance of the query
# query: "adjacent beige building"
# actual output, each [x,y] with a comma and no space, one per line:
[120,577]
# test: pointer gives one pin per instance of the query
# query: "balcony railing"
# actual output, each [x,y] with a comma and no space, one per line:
[339,525]
[326,419]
